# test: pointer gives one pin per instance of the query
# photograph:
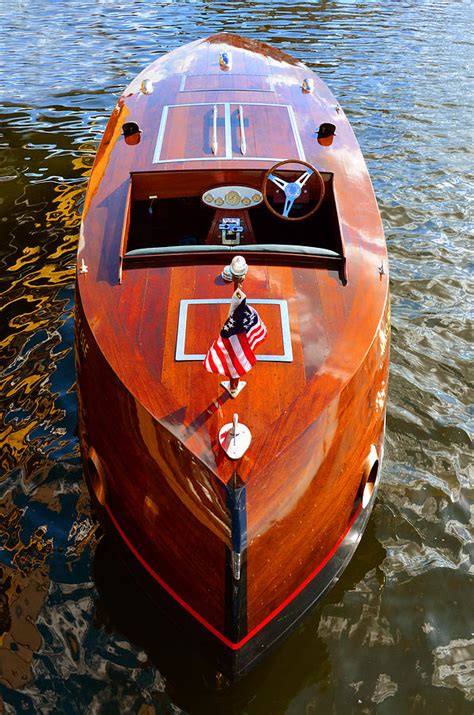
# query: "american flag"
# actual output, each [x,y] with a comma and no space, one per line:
[232,353]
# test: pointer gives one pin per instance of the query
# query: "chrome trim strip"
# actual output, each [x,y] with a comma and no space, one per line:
[220,158]
[261,104]
[269,77]
[296,133]
[181,336]
[243,143]
[194,104]
[161,135]
[181,356]
[227,89]
[228,131]
[285,331]
[214,144]
[209,104]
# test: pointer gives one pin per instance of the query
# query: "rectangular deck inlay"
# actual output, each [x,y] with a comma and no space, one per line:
[258,118]
[189,309]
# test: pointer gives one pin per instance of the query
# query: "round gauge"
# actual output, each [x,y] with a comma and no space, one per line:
[246,201]
[219,201]
[256,198]
[209,198]
[232,198]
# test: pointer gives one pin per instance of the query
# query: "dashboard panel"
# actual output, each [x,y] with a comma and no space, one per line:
[232,197]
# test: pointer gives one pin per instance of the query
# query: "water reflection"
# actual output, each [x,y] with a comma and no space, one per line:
[396,634]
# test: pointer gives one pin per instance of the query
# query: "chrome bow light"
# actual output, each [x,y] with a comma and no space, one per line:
[239,268]
[146,86]
[225,60]
[236,270]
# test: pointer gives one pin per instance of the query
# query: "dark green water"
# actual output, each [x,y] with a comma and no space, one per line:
[397,634]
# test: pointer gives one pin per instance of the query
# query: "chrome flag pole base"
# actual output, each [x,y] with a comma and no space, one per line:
[233,392]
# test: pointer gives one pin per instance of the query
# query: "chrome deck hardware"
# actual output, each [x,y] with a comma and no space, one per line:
[239,268]
[243,143]
[235,271]
[225,60]
[146,86]
[235,438]
[214,145]
[307,85]
[227,274]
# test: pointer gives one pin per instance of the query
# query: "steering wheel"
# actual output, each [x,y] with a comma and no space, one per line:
[292,189]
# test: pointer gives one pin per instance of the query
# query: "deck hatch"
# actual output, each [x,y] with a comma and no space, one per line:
[282,317]
[192,131]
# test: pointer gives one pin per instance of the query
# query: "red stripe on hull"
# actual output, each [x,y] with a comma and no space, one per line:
[202,621]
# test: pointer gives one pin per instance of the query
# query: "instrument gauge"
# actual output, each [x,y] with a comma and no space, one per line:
[232,198]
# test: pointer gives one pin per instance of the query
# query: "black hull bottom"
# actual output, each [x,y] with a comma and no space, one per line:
[158,613]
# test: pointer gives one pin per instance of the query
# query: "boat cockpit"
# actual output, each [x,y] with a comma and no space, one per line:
[289,208]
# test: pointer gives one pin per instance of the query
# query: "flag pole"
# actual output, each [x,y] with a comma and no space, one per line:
[238,270]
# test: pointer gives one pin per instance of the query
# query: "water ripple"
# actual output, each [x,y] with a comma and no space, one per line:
[395,635]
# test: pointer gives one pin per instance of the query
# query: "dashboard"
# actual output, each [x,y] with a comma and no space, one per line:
[232,197]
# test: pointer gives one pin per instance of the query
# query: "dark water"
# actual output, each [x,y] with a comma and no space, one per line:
[397,633]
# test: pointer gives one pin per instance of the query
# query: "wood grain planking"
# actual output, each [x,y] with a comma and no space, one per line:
[176,376]
[332,303]
[290,376]
[153,325]
[174,140]
[313,332]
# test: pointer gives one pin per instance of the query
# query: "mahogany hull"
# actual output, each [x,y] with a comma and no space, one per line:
[182,545]
[245,547]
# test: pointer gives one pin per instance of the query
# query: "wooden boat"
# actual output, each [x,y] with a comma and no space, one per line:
[187,176]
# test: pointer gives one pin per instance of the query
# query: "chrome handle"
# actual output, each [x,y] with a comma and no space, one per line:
[243,143]
[214,144]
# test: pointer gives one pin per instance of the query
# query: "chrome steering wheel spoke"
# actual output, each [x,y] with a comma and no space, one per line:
[301,181]
[281,183]
[289,201]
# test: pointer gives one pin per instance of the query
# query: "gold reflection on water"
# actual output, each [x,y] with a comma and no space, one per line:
[23,589]
[28,252]
[24,599]
[28,384]
[30,306]
[13,441]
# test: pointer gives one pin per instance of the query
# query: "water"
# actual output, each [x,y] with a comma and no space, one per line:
[396,635]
